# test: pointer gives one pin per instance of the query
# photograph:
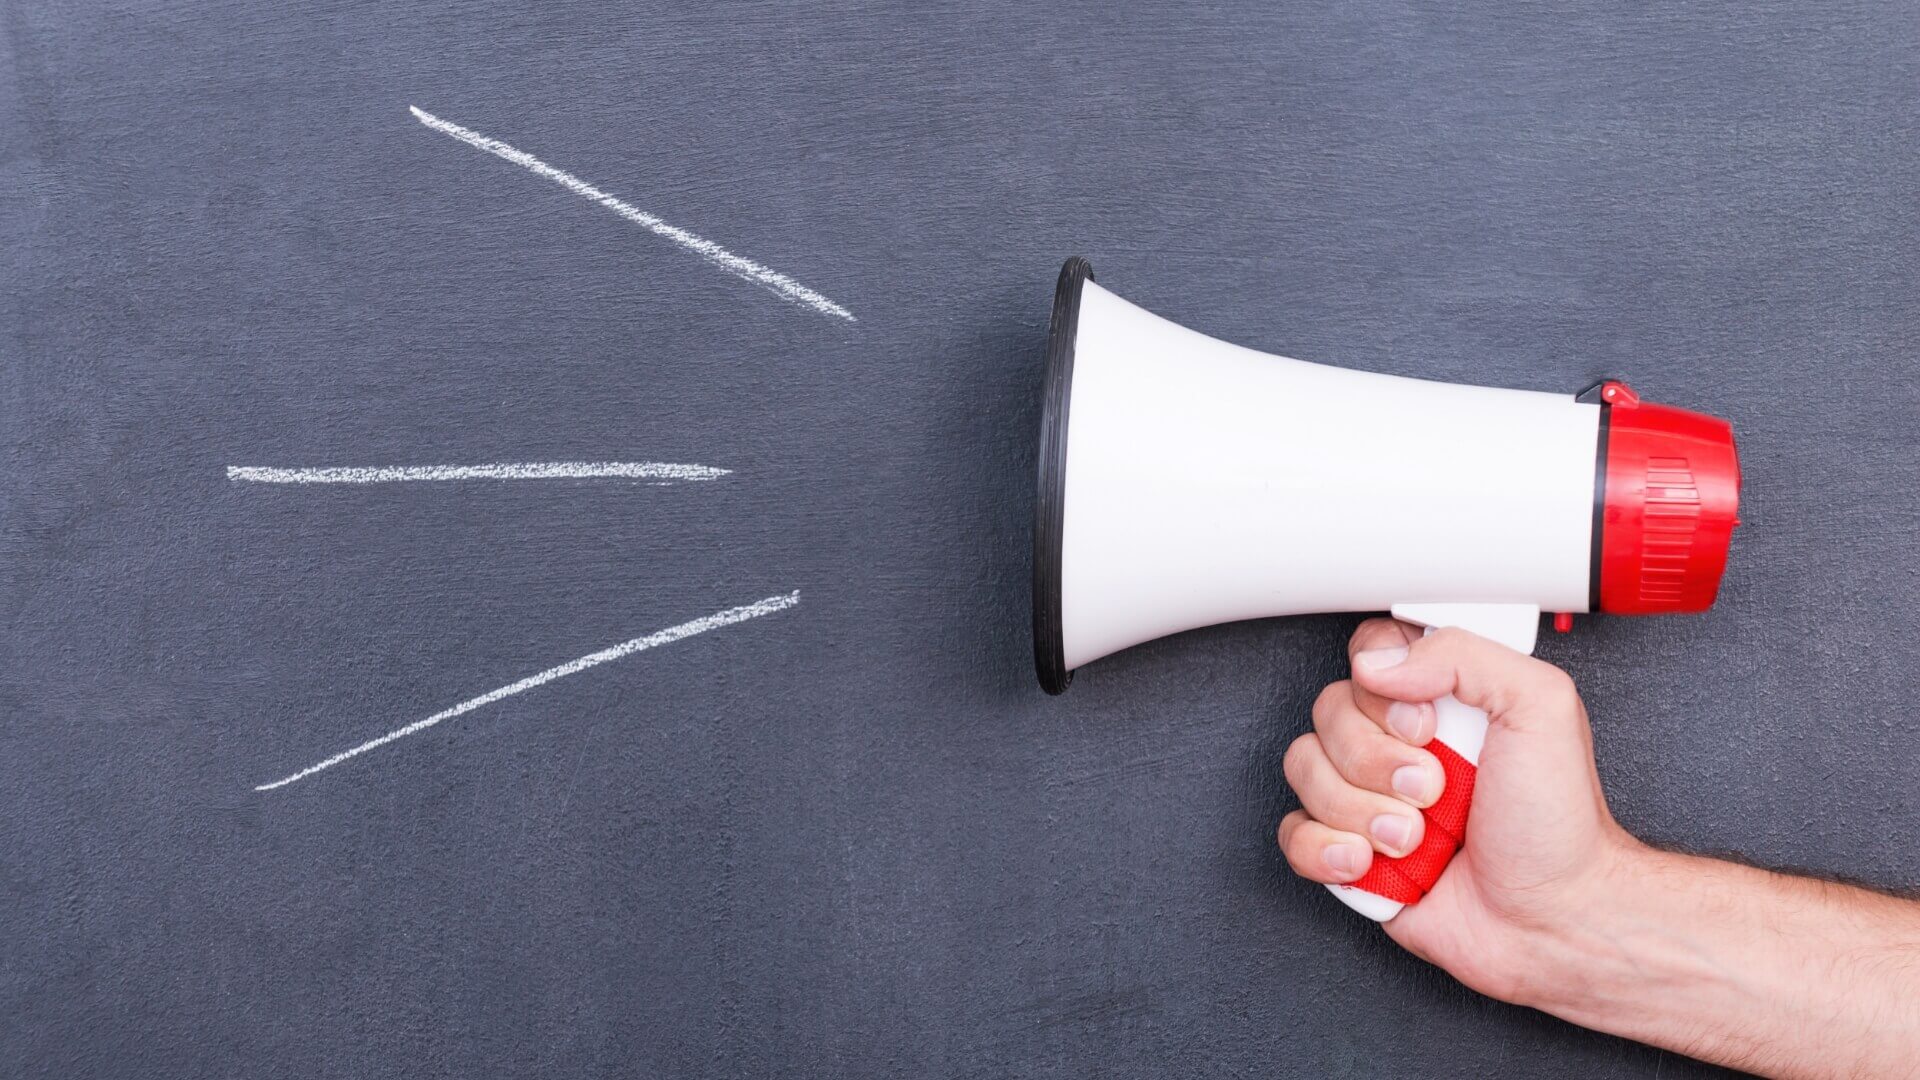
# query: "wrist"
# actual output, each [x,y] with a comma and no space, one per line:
[1648,955]
[1575,952]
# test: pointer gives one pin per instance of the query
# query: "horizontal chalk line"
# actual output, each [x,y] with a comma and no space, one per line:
[626,648]
[737,265]
[535,470]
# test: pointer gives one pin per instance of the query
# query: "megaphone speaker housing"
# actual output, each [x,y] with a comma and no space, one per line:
[1184,481]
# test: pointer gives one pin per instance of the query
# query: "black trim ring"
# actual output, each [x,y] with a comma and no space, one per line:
[1049,504]
[1593,394]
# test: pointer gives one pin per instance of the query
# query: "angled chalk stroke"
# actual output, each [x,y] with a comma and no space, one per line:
[658,471]
[626,648]
[779,283]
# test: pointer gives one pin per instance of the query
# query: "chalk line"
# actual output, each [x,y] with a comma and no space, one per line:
[534,470]
[736,265]
[626,648]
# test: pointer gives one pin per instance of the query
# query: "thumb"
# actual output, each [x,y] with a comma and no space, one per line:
[1509,686]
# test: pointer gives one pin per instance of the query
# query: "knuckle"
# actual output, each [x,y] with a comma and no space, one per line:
[1375,629]
[1370,762]
[1288,825]
[1348,749]
[1557,682]
[1358,750]
[1329,700]
[1301,850]
[1296,859]
[1547,685]
[1298,758]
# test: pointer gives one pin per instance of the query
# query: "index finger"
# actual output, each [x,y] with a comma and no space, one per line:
[1409,721]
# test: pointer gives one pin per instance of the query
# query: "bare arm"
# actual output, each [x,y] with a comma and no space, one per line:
[1551,904]
[1774,974]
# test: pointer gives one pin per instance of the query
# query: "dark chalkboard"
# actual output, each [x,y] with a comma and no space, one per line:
[852,836]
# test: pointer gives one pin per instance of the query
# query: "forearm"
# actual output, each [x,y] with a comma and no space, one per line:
[1780,975]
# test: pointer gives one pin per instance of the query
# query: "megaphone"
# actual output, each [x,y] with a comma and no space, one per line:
[1184,482]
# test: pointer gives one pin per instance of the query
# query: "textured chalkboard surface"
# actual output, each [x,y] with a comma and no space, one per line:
[852,836]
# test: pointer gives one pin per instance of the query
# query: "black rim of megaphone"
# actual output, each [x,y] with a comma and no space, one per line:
[1049,506]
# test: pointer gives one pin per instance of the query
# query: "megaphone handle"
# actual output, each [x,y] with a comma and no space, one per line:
[1391,884]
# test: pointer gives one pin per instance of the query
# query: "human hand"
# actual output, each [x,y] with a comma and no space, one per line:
[1551,904]
[1540,845]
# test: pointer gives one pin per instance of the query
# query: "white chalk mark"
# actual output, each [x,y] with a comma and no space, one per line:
[741,267]
[534,470]
[626,648]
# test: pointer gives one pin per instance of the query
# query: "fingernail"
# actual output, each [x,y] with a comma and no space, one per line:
[1413,782]
[1405,719]
[1394,831]
[1343,859]
[1376,659]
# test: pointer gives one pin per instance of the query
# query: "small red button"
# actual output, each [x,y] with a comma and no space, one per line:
[1563,621]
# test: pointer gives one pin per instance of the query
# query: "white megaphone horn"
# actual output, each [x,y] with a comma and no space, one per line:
[1184,482]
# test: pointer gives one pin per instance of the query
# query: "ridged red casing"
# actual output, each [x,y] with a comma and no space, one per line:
[1671,502]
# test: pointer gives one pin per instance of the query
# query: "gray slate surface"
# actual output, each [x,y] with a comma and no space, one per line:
[853,838]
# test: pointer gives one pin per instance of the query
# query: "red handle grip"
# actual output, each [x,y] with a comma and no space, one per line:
[1408,878]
